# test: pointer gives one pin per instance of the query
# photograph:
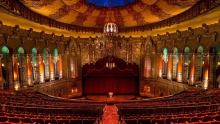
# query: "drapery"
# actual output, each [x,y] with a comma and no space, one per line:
[122,79]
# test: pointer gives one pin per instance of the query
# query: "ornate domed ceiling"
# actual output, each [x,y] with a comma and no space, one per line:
[95,13]
[110,3]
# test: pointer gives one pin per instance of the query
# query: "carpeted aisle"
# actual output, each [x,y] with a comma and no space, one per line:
[110,115]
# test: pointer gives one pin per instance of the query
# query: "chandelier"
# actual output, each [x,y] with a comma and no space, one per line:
[110,29]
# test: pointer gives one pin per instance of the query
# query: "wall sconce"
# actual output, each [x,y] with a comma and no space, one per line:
[3,65]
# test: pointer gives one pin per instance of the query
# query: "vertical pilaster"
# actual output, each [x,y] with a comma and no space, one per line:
[206,69]
[41,69]
[51,64]
[170,65]
[29,71]
[160,65]
[15,72]
[180,68]
[1,78]
[192,69]
[60,66]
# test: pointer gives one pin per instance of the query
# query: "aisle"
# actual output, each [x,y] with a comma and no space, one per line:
[110,115]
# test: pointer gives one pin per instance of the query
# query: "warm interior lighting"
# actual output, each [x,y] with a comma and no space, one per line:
[110,29]
[110,63]
[3,65]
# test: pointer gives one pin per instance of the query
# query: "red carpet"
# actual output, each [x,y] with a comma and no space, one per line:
[110,115]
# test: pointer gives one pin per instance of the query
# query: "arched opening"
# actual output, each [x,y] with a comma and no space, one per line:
[215,51]
[34,65]
[56,63]
[7,81]
[21,66]
[165,60]
[186,65]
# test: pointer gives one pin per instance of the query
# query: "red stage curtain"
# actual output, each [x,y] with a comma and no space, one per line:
[103,85]
[122,79]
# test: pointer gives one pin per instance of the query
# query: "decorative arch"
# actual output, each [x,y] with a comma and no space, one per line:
[22,66]
[121,79]
[165,61]
[6,64]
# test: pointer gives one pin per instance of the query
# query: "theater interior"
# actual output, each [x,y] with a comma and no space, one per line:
[109,62]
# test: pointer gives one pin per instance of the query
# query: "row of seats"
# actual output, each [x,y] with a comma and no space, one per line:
[46,121]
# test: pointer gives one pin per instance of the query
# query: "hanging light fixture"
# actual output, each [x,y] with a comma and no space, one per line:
[110,63]
[110,29]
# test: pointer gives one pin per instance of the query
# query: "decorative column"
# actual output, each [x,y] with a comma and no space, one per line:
[206,68]
[61,67]
[169,70]
[1,84]
[29,70]
[180,68]
[160,65]
[51,67]
[41,69]
[192,70]
[15,71]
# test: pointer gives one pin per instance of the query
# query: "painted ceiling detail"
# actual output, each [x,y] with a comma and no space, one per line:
[91,13]
[109,3]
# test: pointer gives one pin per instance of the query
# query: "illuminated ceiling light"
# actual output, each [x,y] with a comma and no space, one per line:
[110,29]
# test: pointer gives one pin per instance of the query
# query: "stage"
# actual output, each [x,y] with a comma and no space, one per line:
[106,98]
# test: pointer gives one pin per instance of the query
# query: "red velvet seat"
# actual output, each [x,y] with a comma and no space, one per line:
[13,119]
[3,119]
[184,119]
[26,120]
[88,121]
[38,120]
[202,122]
[50,121]
[208,118]
[130,121]
[171,120]
[73,121]
[215,122]
[157,121]
[217,117]
[63,121]
[196,119]
[144,121]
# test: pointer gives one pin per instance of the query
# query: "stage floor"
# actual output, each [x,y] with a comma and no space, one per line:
[114,98]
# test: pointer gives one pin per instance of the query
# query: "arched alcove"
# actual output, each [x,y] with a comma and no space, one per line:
[34,64]
[165,60]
